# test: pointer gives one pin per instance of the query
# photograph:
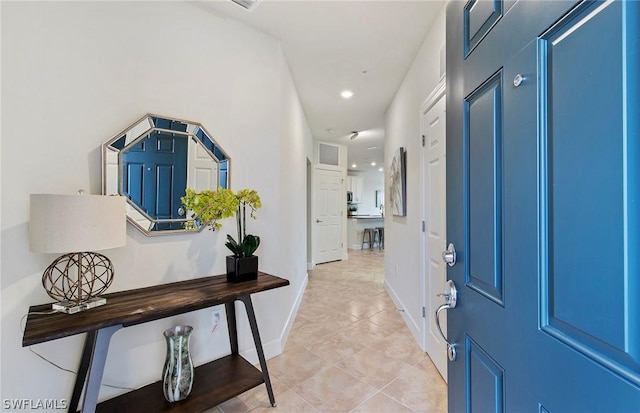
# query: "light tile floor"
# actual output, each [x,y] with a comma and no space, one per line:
[348,351]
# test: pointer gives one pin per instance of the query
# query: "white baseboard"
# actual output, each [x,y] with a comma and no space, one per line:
[414,326]
[294,311]
[271,349]
[311,266]
[274,347]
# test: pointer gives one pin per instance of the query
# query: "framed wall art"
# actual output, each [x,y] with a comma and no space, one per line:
[398,183]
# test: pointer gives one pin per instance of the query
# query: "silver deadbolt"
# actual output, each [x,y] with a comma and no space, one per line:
[451,299]
[517,81]
[449,256]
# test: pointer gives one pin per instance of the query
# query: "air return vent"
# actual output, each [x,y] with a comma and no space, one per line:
[247,4]
[328,154]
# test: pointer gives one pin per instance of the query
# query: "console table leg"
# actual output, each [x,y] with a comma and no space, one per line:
[97,355]
[89,343]
[256,339]
[230,309]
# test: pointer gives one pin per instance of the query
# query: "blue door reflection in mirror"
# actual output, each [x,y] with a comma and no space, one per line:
[153,161]
[155,175]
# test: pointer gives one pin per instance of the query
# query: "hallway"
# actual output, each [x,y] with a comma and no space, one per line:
[349,350]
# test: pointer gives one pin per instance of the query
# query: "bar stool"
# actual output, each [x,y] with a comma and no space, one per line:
[380,233]
[369,233]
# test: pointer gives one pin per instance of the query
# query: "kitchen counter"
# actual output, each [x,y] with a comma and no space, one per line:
[356,225]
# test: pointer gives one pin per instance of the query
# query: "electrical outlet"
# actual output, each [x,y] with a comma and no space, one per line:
[216,319]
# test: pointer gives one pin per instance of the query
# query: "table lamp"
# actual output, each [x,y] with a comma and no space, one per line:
[74,225]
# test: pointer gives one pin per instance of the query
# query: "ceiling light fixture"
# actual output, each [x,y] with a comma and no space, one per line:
[373,164]
[372,148]
[346,94]
[354,166]
[247,4]
[381,169]
[354,134]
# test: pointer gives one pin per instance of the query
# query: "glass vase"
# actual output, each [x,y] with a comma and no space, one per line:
[177,375]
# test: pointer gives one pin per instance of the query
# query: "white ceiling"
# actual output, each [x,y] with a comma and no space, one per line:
[364,46]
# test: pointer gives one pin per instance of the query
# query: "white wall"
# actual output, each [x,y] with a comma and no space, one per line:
[295,151]
[76,73]
[402,128]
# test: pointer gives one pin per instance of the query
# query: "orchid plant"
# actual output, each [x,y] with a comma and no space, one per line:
[209,207]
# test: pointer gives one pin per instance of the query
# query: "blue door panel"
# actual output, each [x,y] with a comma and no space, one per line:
[164,191]
[134,181]
[632,170]
[165,144]
[480,16]
[585,208]
[485,380]
[479,13]
[483,116]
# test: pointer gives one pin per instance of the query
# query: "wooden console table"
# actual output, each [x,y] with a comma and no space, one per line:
[213,383]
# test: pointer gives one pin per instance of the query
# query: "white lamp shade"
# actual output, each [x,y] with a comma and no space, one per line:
[76,223]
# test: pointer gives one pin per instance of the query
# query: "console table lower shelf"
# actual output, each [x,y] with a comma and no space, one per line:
[213,383]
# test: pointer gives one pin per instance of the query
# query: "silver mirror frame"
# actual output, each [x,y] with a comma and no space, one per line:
[113,175]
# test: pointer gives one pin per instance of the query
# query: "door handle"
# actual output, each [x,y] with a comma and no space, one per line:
[449,256]
[451,300]
[318,221]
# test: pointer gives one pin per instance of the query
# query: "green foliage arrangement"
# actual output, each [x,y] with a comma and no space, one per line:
[209,207]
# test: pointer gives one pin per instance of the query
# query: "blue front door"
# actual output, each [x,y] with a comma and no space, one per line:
[543,205]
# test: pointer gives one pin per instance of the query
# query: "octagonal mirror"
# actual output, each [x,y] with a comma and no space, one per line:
[153,161]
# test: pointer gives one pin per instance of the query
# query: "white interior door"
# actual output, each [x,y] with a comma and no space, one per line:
[434,202]
[329,204]
[202,172]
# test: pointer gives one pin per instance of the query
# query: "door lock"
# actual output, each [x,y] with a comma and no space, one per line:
[517,81]
[449,256]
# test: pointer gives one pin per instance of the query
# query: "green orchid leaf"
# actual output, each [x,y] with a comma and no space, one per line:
[250,244]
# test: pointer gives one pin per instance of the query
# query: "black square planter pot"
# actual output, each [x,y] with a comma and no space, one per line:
[242,269]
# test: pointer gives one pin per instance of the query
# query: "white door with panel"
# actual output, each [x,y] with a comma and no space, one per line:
[433,127]
[201,173]
[329,204]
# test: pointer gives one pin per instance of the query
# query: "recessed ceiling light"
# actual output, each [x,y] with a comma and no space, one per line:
[373,164]
[331,130]
[372,147]
[346,94]
[354,134]
[381,169]
[354,166]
